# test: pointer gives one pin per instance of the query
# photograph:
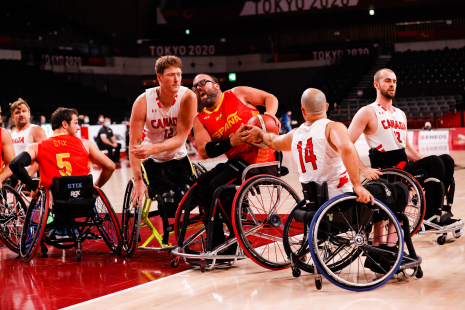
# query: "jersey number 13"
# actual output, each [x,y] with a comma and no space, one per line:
[309,156]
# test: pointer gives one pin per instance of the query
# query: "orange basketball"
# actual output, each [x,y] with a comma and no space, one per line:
[266,123]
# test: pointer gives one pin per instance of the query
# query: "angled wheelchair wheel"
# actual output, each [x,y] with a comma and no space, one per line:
[12,214]
[261,207]
[416,206]
[295,241]
[109,228]
[129,222]
[195,235]
[341,236]
[34,225]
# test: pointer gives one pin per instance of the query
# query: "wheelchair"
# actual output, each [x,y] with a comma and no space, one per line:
[443,213]
[64,215]
[12,214]
[416,207]
[135,217]
[335,238]
[260,207]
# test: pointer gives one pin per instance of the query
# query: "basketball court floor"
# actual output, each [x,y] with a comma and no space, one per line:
[107,281]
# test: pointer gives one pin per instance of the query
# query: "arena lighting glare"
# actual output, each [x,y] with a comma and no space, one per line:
[232,77]
[188,31]
[372,12]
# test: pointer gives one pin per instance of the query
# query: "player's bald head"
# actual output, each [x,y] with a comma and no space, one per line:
[381,73]
[313,101]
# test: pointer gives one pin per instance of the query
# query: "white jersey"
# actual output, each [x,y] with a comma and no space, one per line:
[21,139]
[317,161]
[160,124]
[392,130]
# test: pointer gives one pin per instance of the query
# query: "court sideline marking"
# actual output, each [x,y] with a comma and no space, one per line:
[128,289]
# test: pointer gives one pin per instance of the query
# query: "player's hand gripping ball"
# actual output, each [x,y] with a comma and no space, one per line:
[266,123]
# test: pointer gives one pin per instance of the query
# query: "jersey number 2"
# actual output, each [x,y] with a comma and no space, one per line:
[309,156]
[64,164]
[398,136]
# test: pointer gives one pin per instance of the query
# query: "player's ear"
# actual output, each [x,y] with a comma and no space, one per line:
[327,106]
[375,84]
[159,78]
[303,112]
[64,124]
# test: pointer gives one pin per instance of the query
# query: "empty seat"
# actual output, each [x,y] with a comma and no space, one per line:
[438,98]
[421,103]
[451,103]
[430,103]
[443,108]
[409,100]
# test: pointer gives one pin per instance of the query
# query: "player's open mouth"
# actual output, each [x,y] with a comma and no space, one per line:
[202,95]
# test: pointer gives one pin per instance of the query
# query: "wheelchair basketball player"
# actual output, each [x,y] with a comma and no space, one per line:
[217,130]
[324,153]
[385,130]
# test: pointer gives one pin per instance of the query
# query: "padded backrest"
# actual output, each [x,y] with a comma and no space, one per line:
[73,196]
[315,194]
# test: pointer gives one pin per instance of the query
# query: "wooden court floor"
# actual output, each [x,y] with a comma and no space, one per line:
[249,286]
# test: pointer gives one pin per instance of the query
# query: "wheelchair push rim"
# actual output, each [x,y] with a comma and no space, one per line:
[261,207]
[358,237]
[34,225]
[12,215]
[109,228]
[130,221]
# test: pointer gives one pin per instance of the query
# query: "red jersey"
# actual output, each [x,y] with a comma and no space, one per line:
[225,120]
[61,155]
[1,152]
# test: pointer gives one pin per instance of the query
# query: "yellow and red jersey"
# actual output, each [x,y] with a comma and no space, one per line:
[225,120]
[61,155]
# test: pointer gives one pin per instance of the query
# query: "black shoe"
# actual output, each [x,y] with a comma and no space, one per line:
[93,236]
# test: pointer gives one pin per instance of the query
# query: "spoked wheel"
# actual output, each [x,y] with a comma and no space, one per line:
[342,234]
[261,207]
[130,222]
[12,215]
[416,205]
[195,235]
[34,226]
[295,240]
[109,229]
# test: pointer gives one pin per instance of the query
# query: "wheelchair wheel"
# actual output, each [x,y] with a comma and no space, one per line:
[261,207]
[195,234]
[295,242]
[343,226]
[12,214]
[34,225]
[416,206]
[109,228]
[129,221]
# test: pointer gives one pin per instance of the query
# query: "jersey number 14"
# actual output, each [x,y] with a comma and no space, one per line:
[309,156]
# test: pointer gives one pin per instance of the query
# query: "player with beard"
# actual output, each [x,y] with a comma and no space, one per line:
[385,130]
[161,119]
[217,130]
[25,133]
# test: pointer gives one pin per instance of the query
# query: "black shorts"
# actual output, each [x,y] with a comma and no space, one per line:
[168,175]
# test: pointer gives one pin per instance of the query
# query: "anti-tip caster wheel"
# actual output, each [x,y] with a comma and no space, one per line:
[457,233]
[78,255]
[174,263]
[44,251]
[203,266]
[296,272]
[441,240]
[318,283]
[419,273]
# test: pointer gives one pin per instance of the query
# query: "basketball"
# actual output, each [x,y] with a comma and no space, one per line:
[266,123]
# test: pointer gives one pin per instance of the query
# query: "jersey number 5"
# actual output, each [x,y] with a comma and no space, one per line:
[64,164]
[309,156]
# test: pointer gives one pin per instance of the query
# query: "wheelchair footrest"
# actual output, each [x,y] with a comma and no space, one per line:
[164,248]
[409,262]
